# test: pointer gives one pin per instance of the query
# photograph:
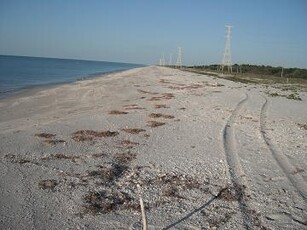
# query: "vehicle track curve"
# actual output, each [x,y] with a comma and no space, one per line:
[296,179]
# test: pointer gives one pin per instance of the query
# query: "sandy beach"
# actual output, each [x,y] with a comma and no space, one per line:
[208,153]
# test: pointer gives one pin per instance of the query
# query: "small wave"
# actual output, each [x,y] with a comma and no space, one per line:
[4,91]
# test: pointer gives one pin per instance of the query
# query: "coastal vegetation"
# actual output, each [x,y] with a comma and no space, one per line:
[260,70]
[256,74]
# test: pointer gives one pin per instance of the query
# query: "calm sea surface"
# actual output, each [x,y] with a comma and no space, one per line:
[17,72]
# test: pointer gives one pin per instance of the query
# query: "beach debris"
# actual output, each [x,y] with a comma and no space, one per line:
[113,197]
[105,201]
[161,115]
[292,96]
[99,155]
[218,221]
[61,156]
[160,106]
[146,92]
[165,96]
[14,159]
[128,142]
[53,141]
[302,126]
[228,194]
[49,138]
[125,157]
[192,86]
[89,135]
[44,135]
[117,112]
[154,124]
[232,193]
[133,130]
[171,191]
[181,181]
[164,81]
[106,173]
[48,184]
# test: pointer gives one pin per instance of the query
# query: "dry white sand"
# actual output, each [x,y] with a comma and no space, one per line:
[226,155]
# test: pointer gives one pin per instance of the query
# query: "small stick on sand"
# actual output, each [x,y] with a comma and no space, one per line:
[142,209]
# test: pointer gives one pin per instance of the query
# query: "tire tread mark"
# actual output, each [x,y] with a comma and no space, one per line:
[296,179]
[235,167]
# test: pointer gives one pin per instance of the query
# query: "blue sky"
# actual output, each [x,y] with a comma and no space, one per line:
[269,32]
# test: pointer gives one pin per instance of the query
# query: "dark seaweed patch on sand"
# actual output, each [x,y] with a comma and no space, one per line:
[53,141]
[161,115]
[117,112]
[128,142]
[47,184]
[61,156]
[165,96]
[89,135]
[154,124]
[105,201]
[45,135]
[133,130]
[192,86]
[161,106]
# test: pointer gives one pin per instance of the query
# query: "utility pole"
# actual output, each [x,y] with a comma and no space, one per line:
[179,58]
[226,62]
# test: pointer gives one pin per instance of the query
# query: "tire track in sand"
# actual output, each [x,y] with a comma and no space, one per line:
[236,171]
[296,179]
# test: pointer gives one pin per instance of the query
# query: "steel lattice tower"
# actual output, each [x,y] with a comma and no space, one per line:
[170,59]
[227,52]
[163,60]
[179,58]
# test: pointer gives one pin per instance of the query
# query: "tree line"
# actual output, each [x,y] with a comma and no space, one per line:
[261,70]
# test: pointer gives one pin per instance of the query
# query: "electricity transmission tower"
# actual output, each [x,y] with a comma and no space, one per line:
[170,59]
[162,61]
[179,58]
[227,52]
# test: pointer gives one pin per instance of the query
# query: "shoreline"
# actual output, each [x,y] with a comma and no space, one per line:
[28,90]
[195,148]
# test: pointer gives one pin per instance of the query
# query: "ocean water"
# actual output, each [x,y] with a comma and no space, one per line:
[19,72]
